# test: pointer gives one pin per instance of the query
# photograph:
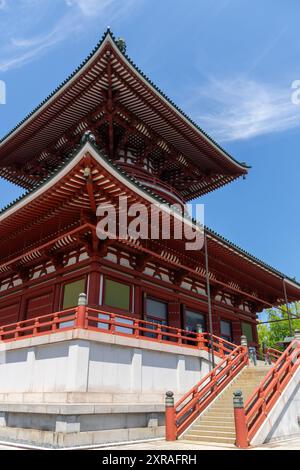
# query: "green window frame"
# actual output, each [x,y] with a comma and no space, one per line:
[117,295]
[247,331]
[71,293]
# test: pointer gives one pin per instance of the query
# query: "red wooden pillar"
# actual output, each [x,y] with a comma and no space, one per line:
[174,318]
[23,306]
[215,321]
[93,294]
[56,306]
[236,329]
[255,335]
[138,302]
[240,420]
[170,417]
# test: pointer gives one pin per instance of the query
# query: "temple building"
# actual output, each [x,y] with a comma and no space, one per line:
[109,132]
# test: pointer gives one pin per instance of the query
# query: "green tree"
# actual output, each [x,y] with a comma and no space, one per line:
[275,331]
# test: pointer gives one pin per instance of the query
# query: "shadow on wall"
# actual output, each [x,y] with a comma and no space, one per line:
[288,422]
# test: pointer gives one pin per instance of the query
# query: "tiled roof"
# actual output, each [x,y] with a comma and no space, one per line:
[160,200]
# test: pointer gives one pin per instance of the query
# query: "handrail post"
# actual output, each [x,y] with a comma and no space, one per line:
[136,327]
[170,417]
[244,344]
[81,311]
[200,339]
[241,429]
[244,341]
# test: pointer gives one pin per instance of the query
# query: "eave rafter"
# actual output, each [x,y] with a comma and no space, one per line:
[108,77]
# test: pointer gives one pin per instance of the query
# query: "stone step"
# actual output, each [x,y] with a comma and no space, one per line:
[223,406]
[213,419]
[216,424]
[213,427]
[202,438]
[212,432]
[220,413]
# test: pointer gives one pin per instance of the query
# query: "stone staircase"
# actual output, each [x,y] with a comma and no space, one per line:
[216,423]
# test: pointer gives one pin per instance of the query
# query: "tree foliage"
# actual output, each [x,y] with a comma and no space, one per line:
[271,333]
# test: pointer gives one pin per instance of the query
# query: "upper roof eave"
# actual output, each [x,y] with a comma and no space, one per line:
[108,37]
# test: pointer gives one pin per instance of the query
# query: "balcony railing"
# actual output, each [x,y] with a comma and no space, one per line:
[93,319]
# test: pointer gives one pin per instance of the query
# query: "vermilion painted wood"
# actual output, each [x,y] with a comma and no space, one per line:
[188,408]
[268,392]
[160,333]
[89,318]
[39,326]
[241,428]
[274,354]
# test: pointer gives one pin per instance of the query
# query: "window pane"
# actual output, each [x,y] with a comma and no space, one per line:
[117,295]
[157,309]
[247,331]
[192,319]
[226,330]
[72,292]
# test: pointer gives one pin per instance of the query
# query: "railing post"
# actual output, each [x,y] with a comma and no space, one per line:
[170,417]
[136,328]
[158,333]
[244,341]
[244,344]
[200,342]
[241,430]
[81,311]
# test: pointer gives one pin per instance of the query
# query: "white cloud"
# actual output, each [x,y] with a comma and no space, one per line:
[91,7]
[242,109]
[20,38]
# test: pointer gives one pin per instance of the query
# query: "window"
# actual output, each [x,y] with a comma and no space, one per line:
[226,330]
[156,312]
[117,295]
[247,331]
[192,319]
[72,290]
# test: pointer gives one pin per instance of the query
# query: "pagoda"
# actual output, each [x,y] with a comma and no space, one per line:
[109,132]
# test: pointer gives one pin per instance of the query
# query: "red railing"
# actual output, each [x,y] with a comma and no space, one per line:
[59,321]
[189,407]
[273,354]
[100,320]
[268,392]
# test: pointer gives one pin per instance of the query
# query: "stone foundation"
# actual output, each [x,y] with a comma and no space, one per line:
[83,388]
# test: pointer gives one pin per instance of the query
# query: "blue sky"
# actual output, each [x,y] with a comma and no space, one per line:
[229,64]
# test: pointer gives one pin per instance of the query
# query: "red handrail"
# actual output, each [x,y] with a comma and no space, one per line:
[38,326]
[273,354]
[100,320]
[267,393]
[189,407]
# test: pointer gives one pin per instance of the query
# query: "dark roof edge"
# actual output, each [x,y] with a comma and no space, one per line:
[160,200]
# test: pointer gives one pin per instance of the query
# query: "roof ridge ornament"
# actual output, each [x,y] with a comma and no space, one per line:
[121,43]
[88,136]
